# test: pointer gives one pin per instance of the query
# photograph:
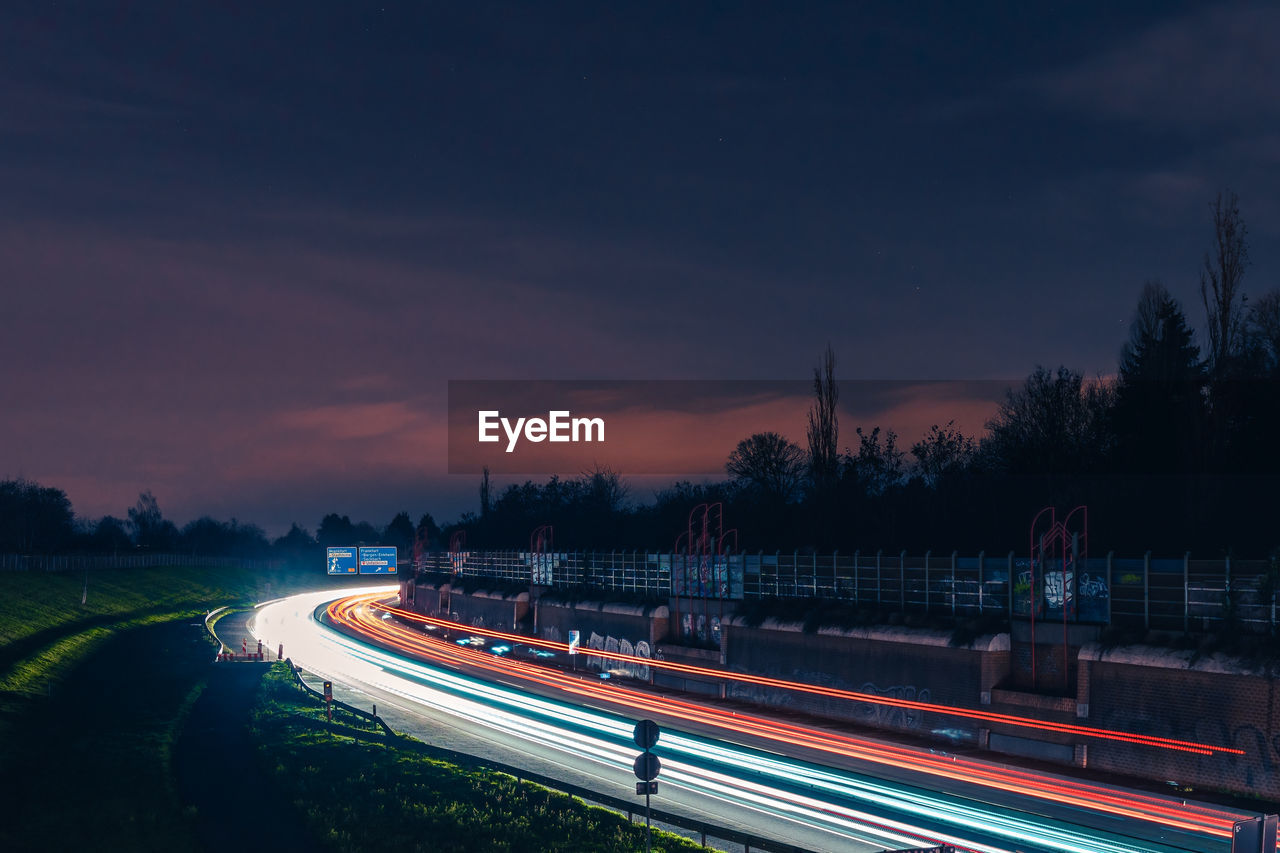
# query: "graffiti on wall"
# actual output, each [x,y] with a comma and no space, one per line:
[888,715]
[613,645]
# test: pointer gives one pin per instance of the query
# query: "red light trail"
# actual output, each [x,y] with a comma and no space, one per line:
[746,678]
[355,614]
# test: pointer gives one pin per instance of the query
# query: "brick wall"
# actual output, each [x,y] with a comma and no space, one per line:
[895,663]
[1212,702]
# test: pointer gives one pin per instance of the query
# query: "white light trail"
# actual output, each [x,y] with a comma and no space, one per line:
[833,801]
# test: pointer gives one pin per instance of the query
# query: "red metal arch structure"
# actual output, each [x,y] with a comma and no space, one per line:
[702,548]
[541,545]
[457,548]
[1057,550]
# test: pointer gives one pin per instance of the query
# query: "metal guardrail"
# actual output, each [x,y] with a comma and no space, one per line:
[209,619]
[749,841]
[350,709]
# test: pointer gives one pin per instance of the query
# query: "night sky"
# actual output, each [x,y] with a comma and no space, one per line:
[244,247]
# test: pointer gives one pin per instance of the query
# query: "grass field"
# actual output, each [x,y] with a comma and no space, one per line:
[93,698]
[45,630]
[358,795]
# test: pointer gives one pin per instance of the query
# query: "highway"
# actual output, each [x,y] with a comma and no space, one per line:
[815,787]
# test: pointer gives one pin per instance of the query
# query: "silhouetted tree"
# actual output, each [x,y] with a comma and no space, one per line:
[335,531]
[298,545]
[427,533]
[769,464]
[208,536]
[942,453]
[1055,424]
[205,536]
[1158,417]
[1263,334]
[150,529]
[824,427]
[1221,277]
[110,536]
[877,467]
[603,491]
[34,519]
[400,532]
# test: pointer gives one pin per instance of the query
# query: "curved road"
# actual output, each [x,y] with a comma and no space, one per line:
[818,788]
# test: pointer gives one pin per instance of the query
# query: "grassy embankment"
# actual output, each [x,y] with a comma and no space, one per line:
[93,697]
[360,795]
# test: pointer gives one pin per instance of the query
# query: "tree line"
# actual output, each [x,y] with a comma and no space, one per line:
[1179,450]
[36,519]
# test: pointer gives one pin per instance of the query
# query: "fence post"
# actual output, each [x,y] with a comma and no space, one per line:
[878,581]
[1186,592]
[953,584]
[1011,581]
[858,594]
[902,580]
[835,573]
[815,573]
[927,554]
[1110,584]
[1146,591]
[982,564]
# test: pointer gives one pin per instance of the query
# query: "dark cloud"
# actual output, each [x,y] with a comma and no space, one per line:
[1214,66]
[243,250]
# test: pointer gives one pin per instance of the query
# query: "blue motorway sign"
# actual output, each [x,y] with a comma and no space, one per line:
[341,561]
[378,560]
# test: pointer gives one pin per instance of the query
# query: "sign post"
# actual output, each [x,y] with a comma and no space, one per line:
[574,639]
[646,768]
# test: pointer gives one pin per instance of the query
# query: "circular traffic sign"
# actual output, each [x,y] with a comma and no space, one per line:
[646,734]
[647,766]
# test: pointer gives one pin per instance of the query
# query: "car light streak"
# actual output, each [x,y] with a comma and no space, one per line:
[1189,817]
[962,817]
[747,678]
[338,656]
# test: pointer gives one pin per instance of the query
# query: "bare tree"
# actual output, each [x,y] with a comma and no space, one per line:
[769,462]
[942,452]
[486,499]
[879,467]
[824,426]
[604,489]
[1220,282]
[1147,322]
[1054,424]
[1264,331]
